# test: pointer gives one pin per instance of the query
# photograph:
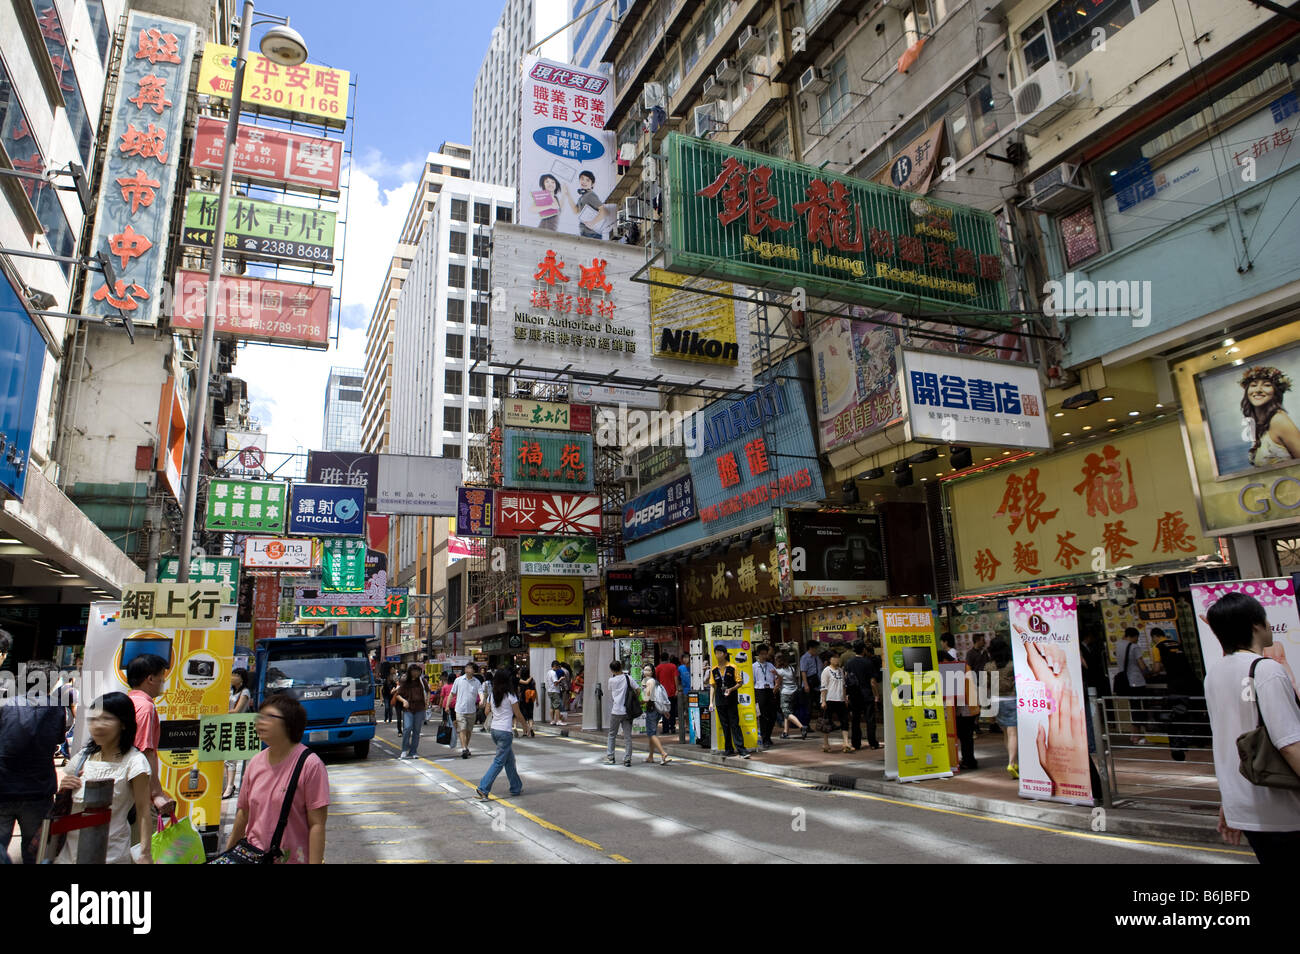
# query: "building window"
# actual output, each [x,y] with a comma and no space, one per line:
[482,246]
[455,309]
[61,59]
[777,143]
[455,346]
[921,20]
[451,451]
[451,419]
[500,386]
[456,242]
[460,174]
[833,105]
[456,276]
[971,121]
[478,312]
[482,213]
[480,279]
[477,420]
[479,349]
[504,214]
[1079,235]
[451,382]
[1065,32]
[103,33]
[460,210]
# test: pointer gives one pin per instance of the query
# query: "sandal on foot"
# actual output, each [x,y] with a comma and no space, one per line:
[665,761]
[826,748]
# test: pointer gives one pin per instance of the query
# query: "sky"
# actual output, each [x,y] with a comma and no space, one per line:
[414,64]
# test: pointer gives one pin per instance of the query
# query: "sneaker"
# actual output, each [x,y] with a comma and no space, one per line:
[610,760]
[627,763]
[464,753]
[728,755]
[746,754]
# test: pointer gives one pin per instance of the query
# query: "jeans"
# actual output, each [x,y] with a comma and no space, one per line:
[412,722]
[729,728]
[28,813]
[672,715]
[766,714]
[505,758]
[617,720]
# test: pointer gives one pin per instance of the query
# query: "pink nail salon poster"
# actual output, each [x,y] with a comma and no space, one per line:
[1050,700]
[1278,598]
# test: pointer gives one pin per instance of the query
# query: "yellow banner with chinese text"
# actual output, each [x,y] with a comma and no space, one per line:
[306,90]
[1122,502]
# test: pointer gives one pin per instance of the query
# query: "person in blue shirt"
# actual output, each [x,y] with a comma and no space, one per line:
[683,674]
[31,728]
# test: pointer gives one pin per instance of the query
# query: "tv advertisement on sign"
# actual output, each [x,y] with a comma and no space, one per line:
[641,598]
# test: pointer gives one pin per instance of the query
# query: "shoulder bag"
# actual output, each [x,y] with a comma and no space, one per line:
[632,700]
[1122,687]
[245,852]
[1261,762]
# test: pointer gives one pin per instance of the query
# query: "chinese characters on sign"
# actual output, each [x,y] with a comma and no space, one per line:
[958,400]
[394,607]
[172,605]
[547,415]
[522,513]
[263,230]
[306,90]
[139,175]
[473,512]
[223,570]
[256,309]
[537,460]
[228,736]
[659,509]
[270,155]
[245,506]
[343,565]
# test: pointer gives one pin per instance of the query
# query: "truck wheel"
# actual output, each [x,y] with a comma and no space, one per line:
[361,749]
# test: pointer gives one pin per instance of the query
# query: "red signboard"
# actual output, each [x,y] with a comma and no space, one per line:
[266,607]
[270,155]
[527,513]
[256,309]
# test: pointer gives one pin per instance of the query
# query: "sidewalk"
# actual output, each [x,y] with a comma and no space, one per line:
[988,789]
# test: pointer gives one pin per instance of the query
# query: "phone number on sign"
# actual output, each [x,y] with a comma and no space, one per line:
[296,250]
[286,98]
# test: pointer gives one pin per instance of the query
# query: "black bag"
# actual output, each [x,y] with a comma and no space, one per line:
[445,734]
[245,852]
[632,700]
[1122,688]
[1261,762]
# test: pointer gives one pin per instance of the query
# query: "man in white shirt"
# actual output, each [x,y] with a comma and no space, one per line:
[465,691]
[764,692]
[1269,817]
[555,692]
[617,688]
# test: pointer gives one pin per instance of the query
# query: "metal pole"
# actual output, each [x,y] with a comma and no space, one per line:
[199,404]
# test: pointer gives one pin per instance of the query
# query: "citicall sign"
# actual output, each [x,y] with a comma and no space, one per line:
[278,553]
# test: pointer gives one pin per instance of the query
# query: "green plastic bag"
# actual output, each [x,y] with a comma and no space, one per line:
[177,844]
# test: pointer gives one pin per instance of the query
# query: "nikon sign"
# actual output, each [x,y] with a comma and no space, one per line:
[696,324]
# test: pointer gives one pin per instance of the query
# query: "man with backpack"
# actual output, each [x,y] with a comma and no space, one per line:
[860,674]
[624,706]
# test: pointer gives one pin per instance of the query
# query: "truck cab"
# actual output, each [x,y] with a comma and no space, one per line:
[330,676]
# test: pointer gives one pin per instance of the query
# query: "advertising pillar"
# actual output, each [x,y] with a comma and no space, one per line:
[1278,598]
[915,722]
[734,638]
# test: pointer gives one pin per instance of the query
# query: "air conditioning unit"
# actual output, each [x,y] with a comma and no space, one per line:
[652,95]
[635,209]
[750,41]
[650,170]
[626,471]
[1043,97]
[713,89]
[727,71]
[1053,191]
[708,119]
[813,80]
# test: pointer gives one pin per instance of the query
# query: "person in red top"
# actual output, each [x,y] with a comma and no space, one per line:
[666,674]
[146,674]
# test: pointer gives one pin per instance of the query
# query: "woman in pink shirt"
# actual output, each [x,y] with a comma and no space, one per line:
[281,721]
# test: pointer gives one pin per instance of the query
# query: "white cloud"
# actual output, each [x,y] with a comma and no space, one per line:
[286,386]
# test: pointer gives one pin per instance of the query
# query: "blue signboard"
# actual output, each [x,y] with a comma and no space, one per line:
[327,510]
[22,357]
[659,509]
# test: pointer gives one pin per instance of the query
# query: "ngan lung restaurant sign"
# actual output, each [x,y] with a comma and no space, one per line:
[744,216]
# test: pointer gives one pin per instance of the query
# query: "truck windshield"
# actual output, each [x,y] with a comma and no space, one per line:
[317,669]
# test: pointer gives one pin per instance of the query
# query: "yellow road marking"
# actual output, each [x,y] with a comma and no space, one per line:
[347,814]
[620,858]
[478,861]
[407,861]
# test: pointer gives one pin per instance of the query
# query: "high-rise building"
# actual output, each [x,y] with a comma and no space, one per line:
[495,137]
[342,431]
[589,35]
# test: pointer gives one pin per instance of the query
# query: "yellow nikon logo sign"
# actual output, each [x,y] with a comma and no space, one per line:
[692,327]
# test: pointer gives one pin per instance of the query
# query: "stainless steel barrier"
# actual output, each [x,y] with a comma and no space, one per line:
[1157,750]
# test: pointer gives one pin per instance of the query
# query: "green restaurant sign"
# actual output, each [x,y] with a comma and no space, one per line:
[343,564]
[245,506]
[750,218]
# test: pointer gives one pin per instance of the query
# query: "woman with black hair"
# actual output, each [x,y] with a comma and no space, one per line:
[1276,436]
[527,699]
[503,713]
[111,754]
[410,693]
[241,700]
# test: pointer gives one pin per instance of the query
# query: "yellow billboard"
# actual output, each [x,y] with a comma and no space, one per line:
[689,326]
[311,90]
[916,723]
[1122,500]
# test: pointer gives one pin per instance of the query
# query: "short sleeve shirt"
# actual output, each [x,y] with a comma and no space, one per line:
[263,793]
[146,720]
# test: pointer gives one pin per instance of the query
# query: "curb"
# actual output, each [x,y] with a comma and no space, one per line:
[1171,827]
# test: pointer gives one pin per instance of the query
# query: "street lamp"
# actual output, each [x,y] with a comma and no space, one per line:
[282,45]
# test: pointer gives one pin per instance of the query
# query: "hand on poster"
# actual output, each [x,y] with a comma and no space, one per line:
[1063,745]
[1048,663]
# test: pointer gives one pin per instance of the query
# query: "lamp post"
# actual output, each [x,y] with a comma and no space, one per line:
[284,46]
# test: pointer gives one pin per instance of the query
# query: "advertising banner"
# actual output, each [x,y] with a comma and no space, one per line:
[607,394]
[548,415]
[228,737]
[309,91]
[461,548]
[696,322]
[659,509]
[734,584]
[421,486]
[172,605]
[343,565]
[197,684]
[269,231]
[836,556]
[133,211]
[277,553]
[569,305]
[1278,597]
[223,570]
[256,309]
[267,154]
[346,469]
[911,169]
[394,607]
[734,638]
[266,607]
[856,381]
[747,217]
[655,463]
[1050,699]
[951,399]
[374,592]
[319,510]
[558,556]
[739,476]
[916,724]
[641,598]
[245,506]
[566,157]
[519,513]
[245,456]
[536,460]
[550,604]
[473,512]
[1111,503]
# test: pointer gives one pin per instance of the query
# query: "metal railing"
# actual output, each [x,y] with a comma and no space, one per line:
[1157,750]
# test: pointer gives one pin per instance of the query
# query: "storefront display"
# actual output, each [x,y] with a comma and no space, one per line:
[915,722]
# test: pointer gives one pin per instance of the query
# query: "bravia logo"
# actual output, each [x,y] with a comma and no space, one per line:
[692,346]
[76,907]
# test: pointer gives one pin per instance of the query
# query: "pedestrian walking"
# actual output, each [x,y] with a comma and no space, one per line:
[428,690]
[1131,680]
[810,668]
[656,708]
[111,754]
[787,687]
[555,692]
[1182,721]
[666,676]
[862,695]
[724,700]
[527,699]
[765,695]
[1008,716]
[281,721]
[414,699]
[30,729]
[977,655]
[503,714]
[947,648]
[1246,690]
[240,701]
[146,674]
[464,700]
[835,708]
[575,691]
[620,688]
[390,686]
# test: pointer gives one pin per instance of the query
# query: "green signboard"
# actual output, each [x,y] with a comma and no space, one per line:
[545,460]
[245,506]
[745,216]
[228,737]
[343,564]
[204,570]
[268,230]
[558,556]
[394,607]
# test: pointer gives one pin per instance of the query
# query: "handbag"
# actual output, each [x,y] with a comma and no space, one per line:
[1122,688]
[177,844]
[444,736]
[245,852]
[1261,762]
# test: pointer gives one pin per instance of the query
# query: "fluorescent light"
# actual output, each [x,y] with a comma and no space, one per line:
[1134,413]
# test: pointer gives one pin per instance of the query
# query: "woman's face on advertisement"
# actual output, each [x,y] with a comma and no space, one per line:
[1260,392]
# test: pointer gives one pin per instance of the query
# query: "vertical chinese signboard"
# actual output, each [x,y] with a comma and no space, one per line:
[133,213]
[916,726]
[343,565]
[473,512]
